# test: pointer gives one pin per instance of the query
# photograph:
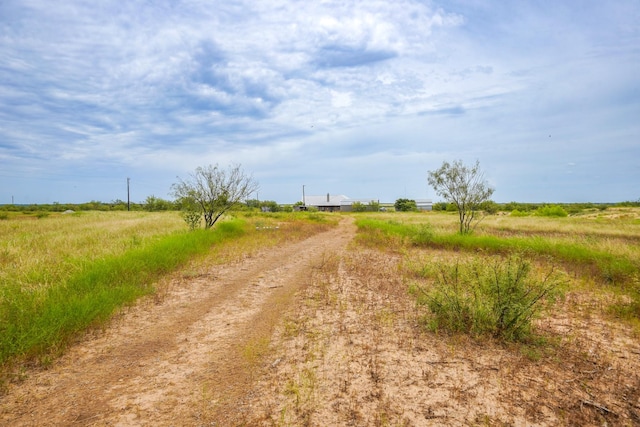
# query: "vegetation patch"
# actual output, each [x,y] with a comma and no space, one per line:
[612,268]
[498,298]
[37,321]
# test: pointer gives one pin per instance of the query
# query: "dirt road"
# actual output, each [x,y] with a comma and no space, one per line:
[315,333]
[186,359]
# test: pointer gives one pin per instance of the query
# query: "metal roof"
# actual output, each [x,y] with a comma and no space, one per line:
[333,200]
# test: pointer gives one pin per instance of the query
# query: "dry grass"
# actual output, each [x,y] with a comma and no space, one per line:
[353,352]
[39,253]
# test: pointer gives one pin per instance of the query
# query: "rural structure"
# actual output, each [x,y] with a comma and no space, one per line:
[341,203]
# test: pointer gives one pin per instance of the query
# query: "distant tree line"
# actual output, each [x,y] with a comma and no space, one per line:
[157,204]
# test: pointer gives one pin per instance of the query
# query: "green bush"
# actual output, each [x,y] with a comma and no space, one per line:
[192,217]
[423,234]
[405,205]
[551,211]
[481,298]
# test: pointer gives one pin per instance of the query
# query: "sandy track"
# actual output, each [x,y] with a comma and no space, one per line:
[183,361]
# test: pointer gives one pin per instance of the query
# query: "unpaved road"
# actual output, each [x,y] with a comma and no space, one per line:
[312,333]
[184,360]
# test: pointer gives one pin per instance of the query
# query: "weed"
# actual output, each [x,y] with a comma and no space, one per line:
[255,349]
[302,388]
[482,298]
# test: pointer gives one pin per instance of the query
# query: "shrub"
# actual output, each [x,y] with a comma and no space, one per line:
[481,298]
[551,211]
[423,234]
[405,205]
[192,218]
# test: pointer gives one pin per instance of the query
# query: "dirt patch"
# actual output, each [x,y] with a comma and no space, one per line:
[352,353]
[322,333]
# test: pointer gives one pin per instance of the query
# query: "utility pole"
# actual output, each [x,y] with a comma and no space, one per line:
[128,200]
[304,202]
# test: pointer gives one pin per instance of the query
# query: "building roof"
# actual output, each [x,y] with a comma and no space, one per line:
[364,201]
[326,200]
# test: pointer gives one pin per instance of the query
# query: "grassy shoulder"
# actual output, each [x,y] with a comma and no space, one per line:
[46,304]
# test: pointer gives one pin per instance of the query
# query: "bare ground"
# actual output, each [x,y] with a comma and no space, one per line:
[322,333]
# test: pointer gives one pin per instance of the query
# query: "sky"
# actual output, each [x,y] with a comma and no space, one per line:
[352,97]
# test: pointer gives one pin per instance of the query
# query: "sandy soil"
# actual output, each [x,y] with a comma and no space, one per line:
[322,333]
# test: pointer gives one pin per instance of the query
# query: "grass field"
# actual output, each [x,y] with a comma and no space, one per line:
[62,274]
[528,320]
[601,250]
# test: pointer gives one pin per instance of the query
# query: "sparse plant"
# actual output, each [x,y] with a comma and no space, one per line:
[192,218]
[480,298]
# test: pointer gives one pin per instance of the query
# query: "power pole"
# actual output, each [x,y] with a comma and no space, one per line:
[128,200]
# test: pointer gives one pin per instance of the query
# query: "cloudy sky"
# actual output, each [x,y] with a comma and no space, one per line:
[360,98]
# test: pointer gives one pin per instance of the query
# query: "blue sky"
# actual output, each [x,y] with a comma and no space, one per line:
[360,98]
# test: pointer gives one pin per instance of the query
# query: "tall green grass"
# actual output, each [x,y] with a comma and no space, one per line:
[612,268]
[37,321]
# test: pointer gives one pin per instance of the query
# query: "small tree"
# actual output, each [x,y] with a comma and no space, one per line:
[154,204]
[214,190]
[405,205]
[463,186]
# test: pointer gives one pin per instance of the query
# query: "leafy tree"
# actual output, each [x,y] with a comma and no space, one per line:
[463,186]
[214,190]
[490,207]
[358,207]
[405,205]
[253,204]
[270,206]
[374,206]
[264,205]
[154,204]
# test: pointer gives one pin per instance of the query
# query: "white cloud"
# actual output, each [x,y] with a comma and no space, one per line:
[162,85]
[340,100]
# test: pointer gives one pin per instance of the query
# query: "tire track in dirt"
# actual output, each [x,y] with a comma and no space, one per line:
[182,361]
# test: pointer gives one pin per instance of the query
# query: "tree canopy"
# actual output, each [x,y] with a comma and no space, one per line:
[212,190]
[463,186]
[405,205]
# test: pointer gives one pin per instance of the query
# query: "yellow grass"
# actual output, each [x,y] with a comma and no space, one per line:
[39,252]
